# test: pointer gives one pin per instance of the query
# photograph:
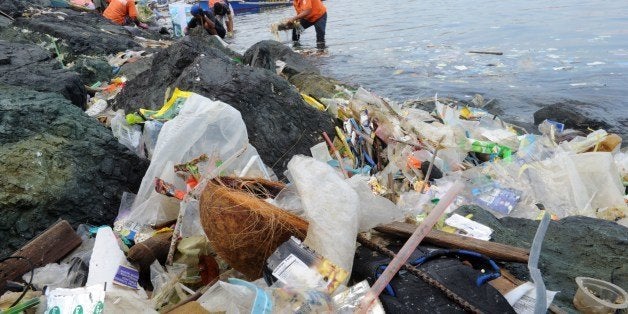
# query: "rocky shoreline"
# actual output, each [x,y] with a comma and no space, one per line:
[58,163]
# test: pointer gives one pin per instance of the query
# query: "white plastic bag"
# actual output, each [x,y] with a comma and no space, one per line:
[374,209]
[203,126]
[331,208]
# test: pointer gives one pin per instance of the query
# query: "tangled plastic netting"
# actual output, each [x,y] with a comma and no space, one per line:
[244,229]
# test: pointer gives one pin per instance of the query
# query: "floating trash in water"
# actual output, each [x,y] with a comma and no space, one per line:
[595,63]
[578,84]
[460,67]
[563,68]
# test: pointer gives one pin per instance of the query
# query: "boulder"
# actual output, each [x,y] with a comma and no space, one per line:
[264,54]
[14,8]
[57,163]
[575,115]
[82,33]
[31,66]
[574,246]
[279,123]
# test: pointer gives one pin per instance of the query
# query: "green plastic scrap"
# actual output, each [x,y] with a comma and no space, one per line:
[21,306]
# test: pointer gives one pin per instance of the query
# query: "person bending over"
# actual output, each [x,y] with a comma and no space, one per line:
[123,12]
[207,20]
[224,14]
[310,12]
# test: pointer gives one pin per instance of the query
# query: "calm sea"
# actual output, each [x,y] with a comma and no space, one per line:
[552,50]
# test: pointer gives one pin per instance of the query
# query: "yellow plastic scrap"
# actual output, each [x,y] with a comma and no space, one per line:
[343,139]
[465,113]
[313,102]
[170,109]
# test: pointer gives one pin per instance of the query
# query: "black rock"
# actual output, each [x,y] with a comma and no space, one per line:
[279,123]
[575,115]
[265,53]
[57,163]
[573,247]
[14,8]
[31,66]
[83,33]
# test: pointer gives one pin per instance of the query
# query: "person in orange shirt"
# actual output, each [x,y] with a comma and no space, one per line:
[118,10]
[310,12]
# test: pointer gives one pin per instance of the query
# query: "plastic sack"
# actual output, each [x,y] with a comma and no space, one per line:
[228,298]
[331,209]
[150,136]
[78,300]
[570,185]
[127,302]
[374,210]
[203,126]
[127,135]
[52,275]
[164,282]
[288,199]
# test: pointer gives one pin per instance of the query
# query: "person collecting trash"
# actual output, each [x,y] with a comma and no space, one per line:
[207,20]
[224,14]
[309,12]
[123,12]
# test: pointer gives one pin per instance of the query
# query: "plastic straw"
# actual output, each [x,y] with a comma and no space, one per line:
[336,154]
[409,247]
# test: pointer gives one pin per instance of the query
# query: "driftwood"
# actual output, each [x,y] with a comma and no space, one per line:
[498,251]
[49,247]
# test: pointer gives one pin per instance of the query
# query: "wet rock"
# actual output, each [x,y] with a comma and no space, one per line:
[14,8]
[319,86]
[81,33]
[92,69]
[133,69]
[33,67]
[278,121]
[265,53]
[573,246]
[575,115]
[57,163]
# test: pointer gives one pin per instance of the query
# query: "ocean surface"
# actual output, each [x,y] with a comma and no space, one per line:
[553,51]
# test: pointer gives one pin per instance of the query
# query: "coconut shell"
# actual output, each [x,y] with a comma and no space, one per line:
[245,230]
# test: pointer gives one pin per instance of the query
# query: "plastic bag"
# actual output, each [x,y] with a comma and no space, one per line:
[374,210]
[203,126]
[127,135]
[164,282]
[150,136]
[228,298]
[52,275]
[331,209]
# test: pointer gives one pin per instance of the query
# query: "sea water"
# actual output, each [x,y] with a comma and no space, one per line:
[553,51]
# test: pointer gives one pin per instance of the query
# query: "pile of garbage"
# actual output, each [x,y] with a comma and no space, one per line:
[395,209]
[211,229]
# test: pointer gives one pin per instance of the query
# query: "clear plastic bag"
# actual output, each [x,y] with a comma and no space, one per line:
[374,210]
[127,135]
[150,136]
[203,126]
[331,209]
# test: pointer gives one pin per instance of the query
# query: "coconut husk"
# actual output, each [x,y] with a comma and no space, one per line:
[259,187]
[244,229]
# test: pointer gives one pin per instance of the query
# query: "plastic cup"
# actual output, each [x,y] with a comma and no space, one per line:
[598,296]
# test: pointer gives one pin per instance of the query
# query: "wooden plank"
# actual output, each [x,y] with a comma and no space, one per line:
[497,251]
[49,247]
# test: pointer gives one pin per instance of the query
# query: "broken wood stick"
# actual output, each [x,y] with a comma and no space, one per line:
[498,251]
[497,53]
[49,247]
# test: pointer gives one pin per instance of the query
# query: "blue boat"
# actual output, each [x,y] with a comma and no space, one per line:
[251,6]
